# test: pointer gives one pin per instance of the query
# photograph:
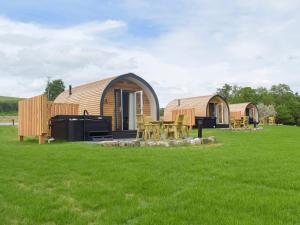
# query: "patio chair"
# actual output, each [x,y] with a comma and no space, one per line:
[186,126]
[245,121]
[271,120]
[235,123]
[232,123]
[176,129]
[140,126]
[148,127]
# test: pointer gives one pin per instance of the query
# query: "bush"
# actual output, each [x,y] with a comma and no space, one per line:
[298,122]
[266,111]
[284,115]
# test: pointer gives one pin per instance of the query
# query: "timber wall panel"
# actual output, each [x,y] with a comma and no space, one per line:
[55,109]
[190,113]
[34,114]
[235,115]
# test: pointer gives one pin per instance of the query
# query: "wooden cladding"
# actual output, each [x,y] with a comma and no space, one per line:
[62,109]
[34,114]
[235,115]
[243,109]
[204,106]
[189,113]
[99,97]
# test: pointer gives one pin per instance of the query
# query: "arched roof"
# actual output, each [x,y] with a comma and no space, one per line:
[199,103]
[91,96]
[241,107]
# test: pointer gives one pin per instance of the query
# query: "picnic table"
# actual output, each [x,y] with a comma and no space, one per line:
[154,129]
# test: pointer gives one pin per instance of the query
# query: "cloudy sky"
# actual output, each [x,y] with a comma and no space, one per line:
[181,47]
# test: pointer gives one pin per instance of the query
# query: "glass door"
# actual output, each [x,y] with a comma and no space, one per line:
[139,103]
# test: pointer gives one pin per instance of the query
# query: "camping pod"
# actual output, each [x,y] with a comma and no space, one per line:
[244,109]
[121,97]
[212,109]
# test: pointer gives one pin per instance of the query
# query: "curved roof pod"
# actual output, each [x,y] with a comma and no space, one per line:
[242,108]
[93,96]
[201,106]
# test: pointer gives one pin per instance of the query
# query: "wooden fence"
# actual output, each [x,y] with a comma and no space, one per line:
[35,113]
[189,113]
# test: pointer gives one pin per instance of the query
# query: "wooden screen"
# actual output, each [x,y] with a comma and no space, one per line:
[34,114]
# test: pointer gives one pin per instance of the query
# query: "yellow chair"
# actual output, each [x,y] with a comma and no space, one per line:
[245,121]
[232,123]
[140,126]
[265,121]
[148,127]
[271,120]
[176,129]
[186,126]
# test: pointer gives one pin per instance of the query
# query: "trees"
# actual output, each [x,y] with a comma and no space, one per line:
[54,88]
[245,94]
[225,91]
[279,98]
[8,105]
[236,94]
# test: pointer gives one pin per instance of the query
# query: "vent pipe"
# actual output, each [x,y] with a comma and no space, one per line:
[70,90]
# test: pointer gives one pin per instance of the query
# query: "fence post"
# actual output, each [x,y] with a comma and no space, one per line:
[42,139]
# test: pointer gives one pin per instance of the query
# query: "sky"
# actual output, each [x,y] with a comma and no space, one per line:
[183,48]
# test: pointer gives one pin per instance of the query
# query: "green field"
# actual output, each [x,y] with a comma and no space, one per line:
[246,178]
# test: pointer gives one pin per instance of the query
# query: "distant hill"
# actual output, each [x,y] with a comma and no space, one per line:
[9,99]
[8,106]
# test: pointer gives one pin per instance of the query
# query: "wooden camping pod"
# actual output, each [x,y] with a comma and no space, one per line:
[100,98]
[200,107]
[244,109]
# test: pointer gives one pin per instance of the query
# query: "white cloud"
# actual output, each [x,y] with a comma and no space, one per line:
[207,44]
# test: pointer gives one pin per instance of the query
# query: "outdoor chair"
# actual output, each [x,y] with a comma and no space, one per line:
[271,120]
[140,126]
[148,127]
[175,129]
[186,126]
[245,121]
[232,124]
[235,123]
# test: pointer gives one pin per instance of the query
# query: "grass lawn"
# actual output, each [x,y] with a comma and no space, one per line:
[247,178]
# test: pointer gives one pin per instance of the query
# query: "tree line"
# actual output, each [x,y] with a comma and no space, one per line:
[279,98]
[8,108]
